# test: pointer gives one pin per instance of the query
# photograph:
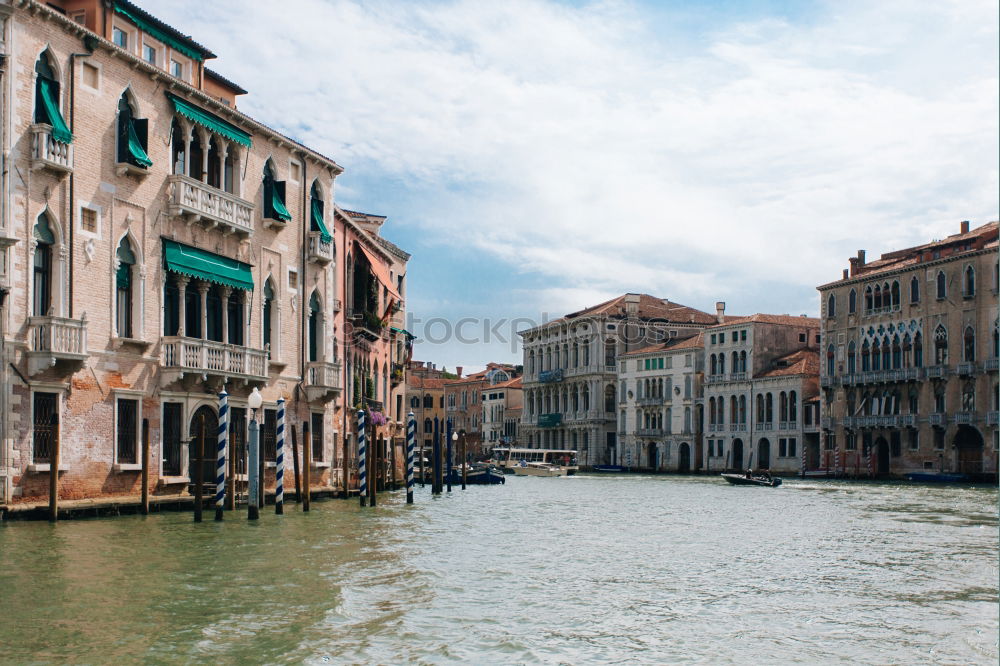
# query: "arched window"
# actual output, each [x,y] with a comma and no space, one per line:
[940,345]
[942,285]
[878,297]
[793,407]
[743,409]
[769,408]
[124,288]
[969,284]
[869,299]
[969,346]
[886,355]
[711,411]
[609,399]
[743,361]
[734,365]
[214,162]
[895,293]
[42,283]
[315,312]
[428,402]
[414,402]
[428,424]
[782,406]
[47,99]
[914,290]
[897,353]
[178,151]
[918,351]
[734,410]
[531,362]
[274,196]
[877,355]
[830,361]
[866,361]
[760,408]
[852,302]
[722,364]
[996,339]
[132,136]
[267,320]
[713,365]
[831,306]
[852,365]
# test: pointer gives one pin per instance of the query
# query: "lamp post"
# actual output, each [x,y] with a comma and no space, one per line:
[452,442]
[465,460]
[253,491]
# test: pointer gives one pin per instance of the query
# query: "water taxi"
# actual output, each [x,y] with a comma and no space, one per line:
[539,469]
[509,459]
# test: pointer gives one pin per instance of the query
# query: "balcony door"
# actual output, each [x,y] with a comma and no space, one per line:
[206,454]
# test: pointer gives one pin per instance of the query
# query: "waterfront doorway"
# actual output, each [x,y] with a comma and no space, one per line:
[211,440]
[882,457]
[653,456]
[764,454]
[969,444]
[173,429]
[737,454]
[684,458]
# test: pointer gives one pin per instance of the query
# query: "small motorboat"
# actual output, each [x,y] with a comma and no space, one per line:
[937,477]
[757,479]
[479,474]
[538,469]
[608,469]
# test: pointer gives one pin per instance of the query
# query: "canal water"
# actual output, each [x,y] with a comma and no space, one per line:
[585,569]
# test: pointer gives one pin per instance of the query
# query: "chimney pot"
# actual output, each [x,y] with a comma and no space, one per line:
[720,311]
[861,257]
[964,226]
[845,273]
[458,371]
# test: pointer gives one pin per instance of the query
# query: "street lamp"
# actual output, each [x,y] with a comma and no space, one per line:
[253,507]
[465,459]
[451,449]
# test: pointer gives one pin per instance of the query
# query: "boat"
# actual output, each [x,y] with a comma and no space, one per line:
[539,469]
[752,480]
[608,469]
[479,474]
[937,477]
[509,459]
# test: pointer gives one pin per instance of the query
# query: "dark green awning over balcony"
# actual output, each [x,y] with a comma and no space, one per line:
[317,222]
[135,148]
[210,121]
[153,31]
[60,132]
[205,265]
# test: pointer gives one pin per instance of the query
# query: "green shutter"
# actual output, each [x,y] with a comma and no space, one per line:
[210,121]
[43,232]
[161,35]
[205,265]
[317,221]
[60,132]
[278,206]
[135,149]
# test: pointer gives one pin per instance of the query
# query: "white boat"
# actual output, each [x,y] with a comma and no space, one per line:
[509,459]
[538,469]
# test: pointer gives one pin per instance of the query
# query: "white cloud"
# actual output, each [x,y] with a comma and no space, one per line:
[575,143]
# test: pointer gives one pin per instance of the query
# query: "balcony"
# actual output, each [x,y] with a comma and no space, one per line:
[737,376]
[888,309]
[366,324]
[964,418]
[182,356]
[938,419]
[937,371]
[318,250]
[738,427]
[829,423]
[911,374]
[373,405]
[649,402]
[908,420]
[993,418]
[398,373]
[764,425]
[649,432]
[787,425]
[47,153]
[890,421]
[848,422]
[714,379]
[550,376]
[828,382]
[195,201]
[322,380]
[966,369]
[53,340]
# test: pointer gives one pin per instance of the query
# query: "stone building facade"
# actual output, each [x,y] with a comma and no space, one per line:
[425,398]
[500,398]
[158,246]
[909,358]
[571,370]
[464,406]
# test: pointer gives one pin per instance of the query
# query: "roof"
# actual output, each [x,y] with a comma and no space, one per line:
[801,362]
[782,319]
[426,383]
[169,29]
[974,240]
[648,308]
[515,383]
[215,76]
[673,344]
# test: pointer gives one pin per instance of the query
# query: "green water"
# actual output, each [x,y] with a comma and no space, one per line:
[586,569]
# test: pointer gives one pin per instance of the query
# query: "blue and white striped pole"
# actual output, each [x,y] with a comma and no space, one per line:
[220,457]
[362,462]
[411,440]
[279,462]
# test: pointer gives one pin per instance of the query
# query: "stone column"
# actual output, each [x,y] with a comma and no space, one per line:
[182,283]
[225,292]
[203,292]
[206,146]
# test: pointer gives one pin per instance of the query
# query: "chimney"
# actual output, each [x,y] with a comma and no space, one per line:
[720,311]
[964,227]
[845,273]
[631,304]
[861,257]
[458,371]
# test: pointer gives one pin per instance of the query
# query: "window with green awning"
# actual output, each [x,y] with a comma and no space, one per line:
[274,196]
[49,100]
[210,121]
[135,150]
[317,223]
[197,263]
[161,35]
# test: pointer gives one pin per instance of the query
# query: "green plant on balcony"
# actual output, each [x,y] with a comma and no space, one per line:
[371,321]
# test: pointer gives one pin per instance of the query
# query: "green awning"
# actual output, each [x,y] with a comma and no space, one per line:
[161,35]
[205,265]
[404,332]
[59,130]
[278,206]
[210,121]
[135,148]
[317,221]
[43,233]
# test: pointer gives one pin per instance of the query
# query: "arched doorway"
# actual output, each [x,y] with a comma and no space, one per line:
[653,456]
[211,440]
[684,458]
[764,454]
[881,457]
[968,443]
[737,451]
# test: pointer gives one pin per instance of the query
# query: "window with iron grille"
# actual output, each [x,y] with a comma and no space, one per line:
[316,430]
[238,438]
[269,434]
[127,431]
[45,420]
[172,428]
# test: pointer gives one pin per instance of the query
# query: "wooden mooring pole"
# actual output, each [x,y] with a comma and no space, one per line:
[145,467]
[199,471]
[54,472]
[295,467]
[306,465]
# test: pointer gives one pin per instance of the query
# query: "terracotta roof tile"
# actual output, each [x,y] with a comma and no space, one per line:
[801,362]
[649,307]
[692,341]
[786,320]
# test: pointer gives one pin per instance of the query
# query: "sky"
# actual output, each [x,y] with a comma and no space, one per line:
[538,157]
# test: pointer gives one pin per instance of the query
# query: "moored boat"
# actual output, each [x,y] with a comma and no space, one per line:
[539,469]
[478,474]
[752,480]
[937,477]
[608,469]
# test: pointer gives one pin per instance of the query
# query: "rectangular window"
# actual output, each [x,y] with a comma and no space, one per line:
[782,448]
[316,432]
[88,220]
[176,68]
[171,443]
[45,422]
[914,439]
[939,438]
[791,447]
[669,362]
[293,279]
[79,17]
[713,338]
[269,435]
[119,37]
[735,336]
[149,54]
[743,336]
[127,431]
